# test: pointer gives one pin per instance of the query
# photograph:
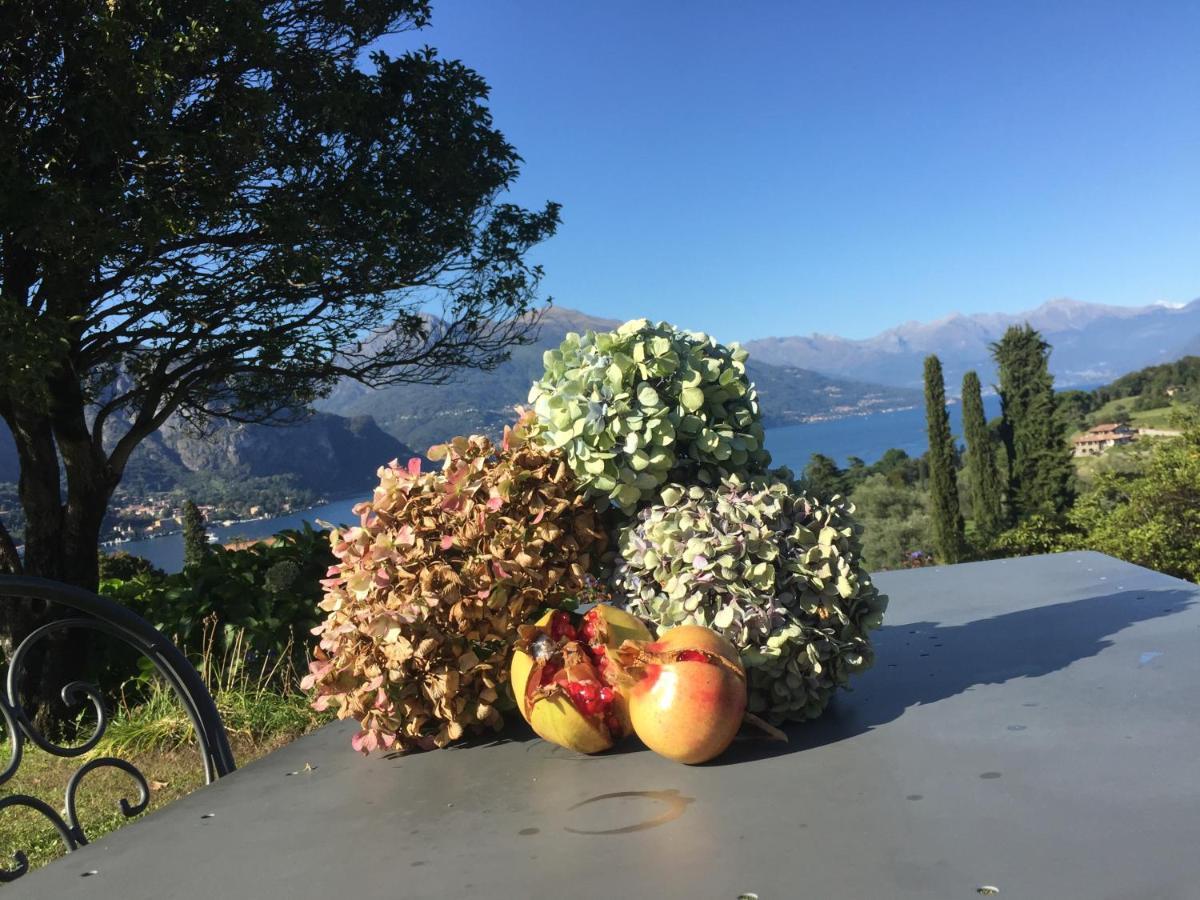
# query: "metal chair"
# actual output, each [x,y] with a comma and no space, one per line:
[98,614]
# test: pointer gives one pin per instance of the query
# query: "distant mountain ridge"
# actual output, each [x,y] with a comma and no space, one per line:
[357,429]
[475,401]
[799,379]
[326,454]
[1093,343]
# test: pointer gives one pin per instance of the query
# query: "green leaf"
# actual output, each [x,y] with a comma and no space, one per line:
[691,398]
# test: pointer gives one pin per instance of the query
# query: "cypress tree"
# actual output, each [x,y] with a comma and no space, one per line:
[1040,472]
[195,538]
[949,538]
[981,462]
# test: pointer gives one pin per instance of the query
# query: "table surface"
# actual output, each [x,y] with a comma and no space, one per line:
[1029,724]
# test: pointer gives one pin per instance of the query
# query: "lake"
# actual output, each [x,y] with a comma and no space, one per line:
[868,437]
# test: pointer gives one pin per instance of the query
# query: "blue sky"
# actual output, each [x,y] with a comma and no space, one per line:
[840,167]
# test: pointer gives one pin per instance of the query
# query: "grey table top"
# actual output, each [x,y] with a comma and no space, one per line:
[1029,724]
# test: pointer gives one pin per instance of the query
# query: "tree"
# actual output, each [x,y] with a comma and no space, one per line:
[195,537]
[949,538]
[218,210]
[1152,518]
[823,478]
[986,491]
[1040,471]
[1074,407]
[895,520]
[899,468]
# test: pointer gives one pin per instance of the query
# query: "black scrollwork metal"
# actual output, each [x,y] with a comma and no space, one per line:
[99,614]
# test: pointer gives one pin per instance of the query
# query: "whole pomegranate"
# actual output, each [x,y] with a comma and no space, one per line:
[563,677]
[687,696]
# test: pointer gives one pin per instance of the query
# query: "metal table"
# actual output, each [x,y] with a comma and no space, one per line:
[1029,724]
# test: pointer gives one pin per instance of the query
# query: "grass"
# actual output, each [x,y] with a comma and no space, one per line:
[259,701]
[1146,418]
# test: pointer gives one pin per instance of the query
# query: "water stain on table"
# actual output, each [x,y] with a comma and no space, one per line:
[675,803]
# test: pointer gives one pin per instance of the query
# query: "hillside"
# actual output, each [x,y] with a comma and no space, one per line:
[1092,344]
[1157,385]
[1148,398]
[420,415]
[325,455]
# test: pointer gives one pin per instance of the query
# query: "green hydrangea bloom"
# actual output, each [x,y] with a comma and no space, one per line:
[778,573]
[636,407]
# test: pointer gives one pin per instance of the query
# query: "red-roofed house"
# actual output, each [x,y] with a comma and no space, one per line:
[1099,438]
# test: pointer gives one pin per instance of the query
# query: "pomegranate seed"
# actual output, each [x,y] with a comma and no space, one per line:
[560,627]
[590,689]
[605,695]
[589,631]
[614,725]
[692,656]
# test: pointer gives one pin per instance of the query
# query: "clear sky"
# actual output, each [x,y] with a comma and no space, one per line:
[774,168]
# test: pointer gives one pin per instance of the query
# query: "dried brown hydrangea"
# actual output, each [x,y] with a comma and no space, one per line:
[424,603]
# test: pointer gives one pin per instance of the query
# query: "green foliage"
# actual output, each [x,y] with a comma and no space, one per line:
[195,537]
[899,468]
[226,200]
[1074,408]
[244,591]
[1151,519]
[1039,533]
[633,407]
[1040,471]
[778,573]
[122,566]
[824,478]
[895,521]
[987,509]
[1156,386]
[948,530]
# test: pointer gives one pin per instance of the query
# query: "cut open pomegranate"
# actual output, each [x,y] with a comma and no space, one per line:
[564,678]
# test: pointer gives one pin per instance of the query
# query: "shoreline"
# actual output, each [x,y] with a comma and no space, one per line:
[227,523]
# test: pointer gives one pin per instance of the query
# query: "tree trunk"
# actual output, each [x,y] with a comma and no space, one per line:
[61,543]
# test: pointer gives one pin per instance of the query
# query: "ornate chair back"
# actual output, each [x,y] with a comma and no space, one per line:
[95,613]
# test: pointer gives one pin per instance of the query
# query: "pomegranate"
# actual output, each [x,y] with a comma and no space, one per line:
[563,677]
[687,693]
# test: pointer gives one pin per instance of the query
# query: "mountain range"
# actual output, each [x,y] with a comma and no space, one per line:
[474,401]
[325,454]
[799,379]
[1092,344]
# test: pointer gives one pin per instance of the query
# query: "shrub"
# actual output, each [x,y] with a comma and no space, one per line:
[1036,534]
[635,407]
[122,566]
[1151,519]
[268,591]
[427,593]
[776,572]
[895,521]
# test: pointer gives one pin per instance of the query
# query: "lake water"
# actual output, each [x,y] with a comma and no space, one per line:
[868,437]
[166,552]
